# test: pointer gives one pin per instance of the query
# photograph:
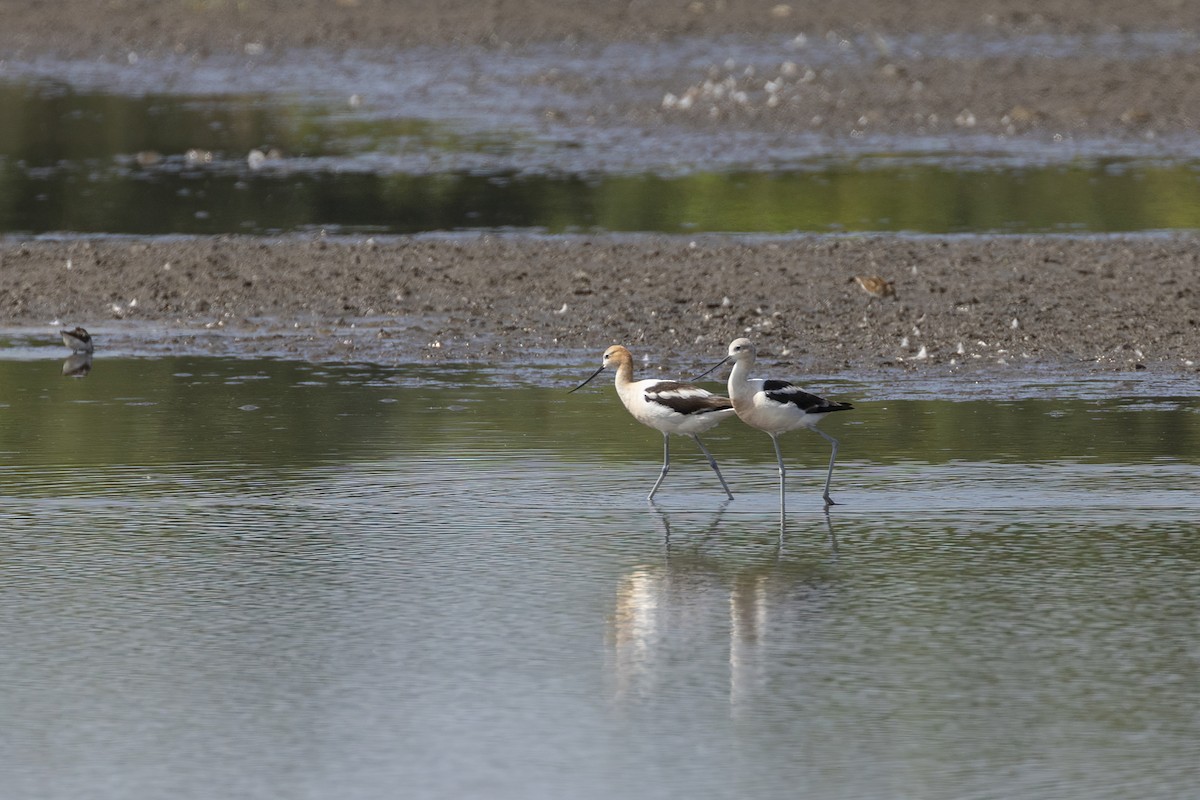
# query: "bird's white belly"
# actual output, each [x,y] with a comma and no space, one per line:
[664,419]
[765,414]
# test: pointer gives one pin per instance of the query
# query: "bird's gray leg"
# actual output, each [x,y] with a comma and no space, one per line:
[782,473]
[712,462]
[832,458]
[666,467]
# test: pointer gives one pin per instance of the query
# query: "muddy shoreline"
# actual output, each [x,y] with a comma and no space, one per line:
[1125,78]
[1113,303]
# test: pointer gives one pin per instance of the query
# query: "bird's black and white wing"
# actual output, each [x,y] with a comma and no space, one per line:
[786,393]
[683,398]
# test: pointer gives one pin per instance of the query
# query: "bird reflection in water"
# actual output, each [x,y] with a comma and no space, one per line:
[77,365]
[724,612]
[831,537]
[665,518]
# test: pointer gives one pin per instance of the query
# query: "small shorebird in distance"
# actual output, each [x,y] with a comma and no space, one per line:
[776,407]
[78,340]
[667,406]
[876,286]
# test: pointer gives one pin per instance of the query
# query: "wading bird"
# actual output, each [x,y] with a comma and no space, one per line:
[776,407]
[78,340]
[667,406]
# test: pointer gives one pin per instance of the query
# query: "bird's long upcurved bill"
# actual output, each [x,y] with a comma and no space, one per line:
[589,380]
[709,371]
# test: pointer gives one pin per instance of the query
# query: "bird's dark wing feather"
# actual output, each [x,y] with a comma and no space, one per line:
[684,398]
[784,393]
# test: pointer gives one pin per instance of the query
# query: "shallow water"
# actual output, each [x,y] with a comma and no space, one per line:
[263,579]
[88,161]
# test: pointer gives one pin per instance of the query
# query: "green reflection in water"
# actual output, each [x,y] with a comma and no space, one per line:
[68,163]
[288,414]
[187,410]
[48,123]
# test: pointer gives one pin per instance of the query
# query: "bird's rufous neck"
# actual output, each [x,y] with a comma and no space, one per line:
[624,373]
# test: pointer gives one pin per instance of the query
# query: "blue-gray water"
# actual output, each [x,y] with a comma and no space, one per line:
[259,579]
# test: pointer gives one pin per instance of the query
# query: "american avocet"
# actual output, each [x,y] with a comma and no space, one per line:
[78,340]
[668,407]
[776,407]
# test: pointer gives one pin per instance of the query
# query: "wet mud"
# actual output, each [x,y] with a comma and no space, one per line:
[960,302]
